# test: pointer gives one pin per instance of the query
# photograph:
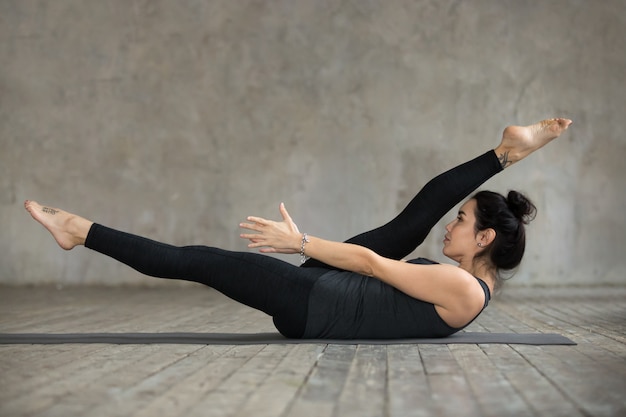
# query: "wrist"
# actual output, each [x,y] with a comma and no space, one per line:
[303,241]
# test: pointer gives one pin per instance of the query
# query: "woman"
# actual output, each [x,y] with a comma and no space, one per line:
[360,288]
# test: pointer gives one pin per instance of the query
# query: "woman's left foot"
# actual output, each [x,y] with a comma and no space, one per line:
[67,229]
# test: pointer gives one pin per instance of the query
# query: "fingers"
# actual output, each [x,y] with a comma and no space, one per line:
[258,223]
[271,236]
[284,213]
[262,244]
[249,226]
[258,220]
[251,237]
[287,218]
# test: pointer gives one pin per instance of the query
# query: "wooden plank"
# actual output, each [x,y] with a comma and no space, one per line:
[50,385]
[492,390]
[14,358]
[275,394]
[26,377]
[364,393]
[450,390]
[213,366]
[591,388]
[233,391]
[493,320]
[47,320]
[437,359]
[135,386]
[604,349]
[130,386]
[558,370]
[323,388]
[408,390]
[577,316]
[539,393]
[452,393]
[148,380]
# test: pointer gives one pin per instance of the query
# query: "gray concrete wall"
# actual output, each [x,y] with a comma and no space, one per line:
[176,119]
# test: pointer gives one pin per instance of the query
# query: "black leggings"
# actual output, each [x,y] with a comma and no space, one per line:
[278,288]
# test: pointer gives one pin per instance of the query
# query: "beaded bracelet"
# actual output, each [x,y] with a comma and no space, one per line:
[305,240]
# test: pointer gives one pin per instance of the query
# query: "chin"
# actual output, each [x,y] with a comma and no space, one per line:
[446,255]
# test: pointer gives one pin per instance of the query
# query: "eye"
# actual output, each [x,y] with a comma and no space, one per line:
[459,218]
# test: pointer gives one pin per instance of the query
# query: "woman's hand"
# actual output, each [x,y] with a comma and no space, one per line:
[271,236]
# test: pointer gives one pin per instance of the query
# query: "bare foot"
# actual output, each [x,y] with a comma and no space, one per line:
[520,141]
[67,229]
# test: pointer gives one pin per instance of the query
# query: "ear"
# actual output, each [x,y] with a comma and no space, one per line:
[485,237]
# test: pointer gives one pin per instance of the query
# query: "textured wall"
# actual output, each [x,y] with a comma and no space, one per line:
[178,119]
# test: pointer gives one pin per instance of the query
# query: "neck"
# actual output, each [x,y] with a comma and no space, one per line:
[482,270]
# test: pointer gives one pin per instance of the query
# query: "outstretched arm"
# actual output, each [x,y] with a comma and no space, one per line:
[454,291]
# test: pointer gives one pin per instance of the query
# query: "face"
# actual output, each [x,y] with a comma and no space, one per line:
[461,240]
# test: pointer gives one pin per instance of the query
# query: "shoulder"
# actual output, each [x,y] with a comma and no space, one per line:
[419,268]
[454,291]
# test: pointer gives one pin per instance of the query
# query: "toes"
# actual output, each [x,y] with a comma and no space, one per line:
[564,123]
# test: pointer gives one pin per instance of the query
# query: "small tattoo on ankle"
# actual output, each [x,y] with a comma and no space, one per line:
[49,210]
[504,159]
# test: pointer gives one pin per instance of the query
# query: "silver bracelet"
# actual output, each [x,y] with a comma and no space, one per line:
[305,240]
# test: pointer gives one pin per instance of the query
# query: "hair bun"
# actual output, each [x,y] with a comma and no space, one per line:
[521,206]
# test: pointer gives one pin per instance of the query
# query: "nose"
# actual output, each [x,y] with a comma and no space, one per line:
[448,227]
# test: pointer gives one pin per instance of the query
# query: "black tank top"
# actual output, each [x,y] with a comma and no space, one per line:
[347,305]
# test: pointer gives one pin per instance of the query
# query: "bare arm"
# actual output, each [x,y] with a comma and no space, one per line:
[455,292]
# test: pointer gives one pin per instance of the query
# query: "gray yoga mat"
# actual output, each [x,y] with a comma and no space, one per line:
[272,338]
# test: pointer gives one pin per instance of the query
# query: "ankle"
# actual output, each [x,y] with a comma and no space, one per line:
[79,227]
[506,155]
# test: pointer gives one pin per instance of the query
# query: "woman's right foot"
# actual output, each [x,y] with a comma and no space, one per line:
[520,141]
[67,229]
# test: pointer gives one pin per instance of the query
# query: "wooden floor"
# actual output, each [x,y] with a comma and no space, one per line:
[306,379]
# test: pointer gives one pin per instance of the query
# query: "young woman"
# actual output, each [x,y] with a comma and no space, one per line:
[361,288]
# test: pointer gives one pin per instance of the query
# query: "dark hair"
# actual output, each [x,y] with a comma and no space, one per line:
[507,216]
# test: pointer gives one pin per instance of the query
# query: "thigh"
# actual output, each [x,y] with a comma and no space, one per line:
[259,281]
[273,286]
